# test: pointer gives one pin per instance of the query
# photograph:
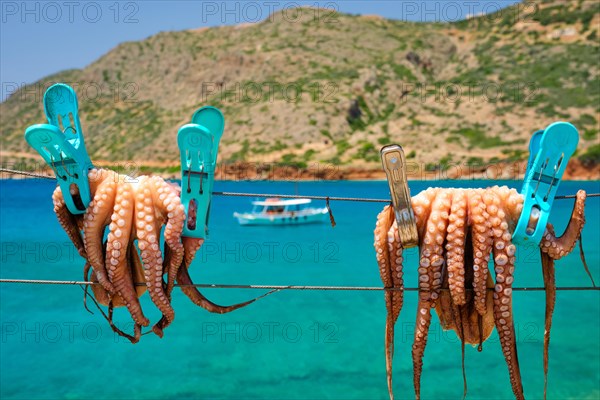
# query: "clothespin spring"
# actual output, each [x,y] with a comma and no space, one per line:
[201,174]
[556,167]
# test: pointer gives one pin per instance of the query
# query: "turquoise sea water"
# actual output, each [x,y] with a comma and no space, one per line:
[291,345]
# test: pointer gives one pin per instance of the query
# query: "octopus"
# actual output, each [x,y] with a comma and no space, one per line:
[134,210]
[459,230]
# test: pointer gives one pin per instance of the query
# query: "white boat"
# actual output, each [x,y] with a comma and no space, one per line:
[282,212]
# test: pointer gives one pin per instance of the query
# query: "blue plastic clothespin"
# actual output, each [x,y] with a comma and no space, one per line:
[550,151]
[198,146]
[60,143]
[534,148]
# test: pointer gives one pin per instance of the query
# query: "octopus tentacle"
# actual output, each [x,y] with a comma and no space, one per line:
[382,226]
[396,260]
[137,269]
[559,247]
[585,266]
[432,249]
[430,279]
[553,248]
[422,207]
[148,236]
[455,247]
[137,273]
[550,286]
[118,243]
[504,264]
[86,272]
[457,319]
[169,204]
[387,242]
[96,219]
[382,251]
[482,245]
[108,316]
[512,204]
[68,221]
[420,341]
[100,294]
[454,274]
[191,246]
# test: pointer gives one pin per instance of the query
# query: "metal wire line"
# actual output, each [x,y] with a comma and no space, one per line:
[282,196]
[286,287]
[25,173]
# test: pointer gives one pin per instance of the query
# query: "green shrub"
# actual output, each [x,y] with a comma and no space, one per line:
[585,120]
[383,140]
[308,154]
[402,72]
[326,133]
[592,155]
[367,152]
[290,160]
[477,137]
[342,146]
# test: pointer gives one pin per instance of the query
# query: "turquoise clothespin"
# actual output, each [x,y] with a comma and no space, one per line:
[61,145]
[534,148]
[198,146]
[550,151]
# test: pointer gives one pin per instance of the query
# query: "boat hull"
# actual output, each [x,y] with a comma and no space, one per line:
[319,215]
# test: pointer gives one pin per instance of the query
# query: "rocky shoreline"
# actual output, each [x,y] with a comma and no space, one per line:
[328,172]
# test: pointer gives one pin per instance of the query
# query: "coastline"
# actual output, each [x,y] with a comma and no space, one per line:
[249,171]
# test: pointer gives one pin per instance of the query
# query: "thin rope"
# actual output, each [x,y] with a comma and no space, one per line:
[282,196]
[331,218]
[285,287]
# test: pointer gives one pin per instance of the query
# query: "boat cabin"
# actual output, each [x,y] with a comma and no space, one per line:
[277,206]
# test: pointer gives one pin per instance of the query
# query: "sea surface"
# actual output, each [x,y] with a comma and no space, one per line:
[292,344]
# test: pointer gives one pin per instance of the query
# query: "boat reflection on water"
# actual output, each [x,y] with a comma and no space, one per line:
[275,211]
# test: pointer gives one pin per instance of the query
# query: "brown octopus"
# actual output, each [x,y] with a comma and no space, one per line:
[458,229]
[134,209]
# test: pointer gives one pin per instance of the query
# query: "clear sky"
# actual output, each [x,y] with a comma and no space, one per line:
[38,38]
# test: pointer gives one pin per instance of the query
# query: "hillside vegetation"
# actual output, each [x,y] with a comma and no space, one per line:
[335,88]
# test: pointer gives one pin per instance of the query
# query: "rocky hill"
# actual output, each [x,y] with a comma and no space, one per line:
[333,88]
